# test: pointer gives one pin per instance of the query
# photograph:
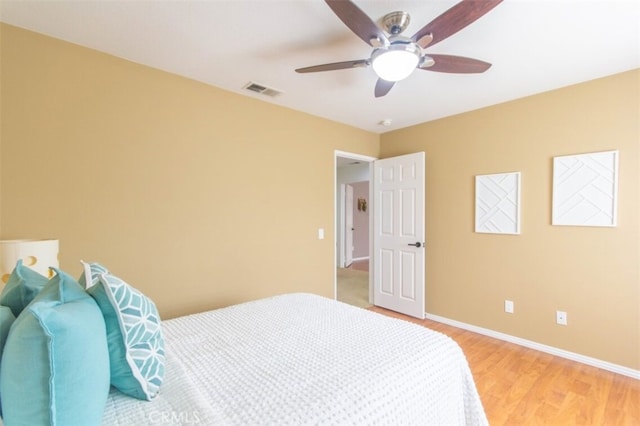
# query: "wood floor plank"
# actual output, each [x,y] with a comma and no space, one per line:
[522,386]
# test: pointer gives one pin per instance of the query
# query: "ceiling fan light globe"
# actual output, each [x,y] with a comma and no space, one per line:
[395,63]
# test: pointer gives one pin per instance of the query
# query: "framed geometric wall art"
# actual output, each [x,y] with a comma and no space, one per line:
[585,189]
[498,203]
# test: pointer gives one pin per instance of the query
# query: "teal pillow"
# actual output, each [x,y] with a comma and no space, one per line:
[55,366]
[91,274]
[23,286]
[6,319]
[134,333]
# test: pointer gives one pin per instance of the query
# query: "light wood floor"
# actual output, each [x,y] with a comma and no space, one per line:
[521,386]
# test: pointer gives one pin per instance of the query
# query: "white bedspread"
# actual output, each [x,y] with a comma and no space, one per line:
[302,359]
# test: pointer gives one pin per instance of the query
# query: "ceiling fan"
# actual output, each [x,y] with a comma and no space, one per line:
[394,57]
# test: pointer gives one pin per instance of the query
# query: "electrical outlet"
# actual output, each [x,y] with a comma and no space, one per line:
[561,318]
[508,306]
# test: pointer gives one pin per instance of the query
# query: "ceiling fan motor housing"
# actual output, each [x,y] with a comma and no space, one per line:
[396,22]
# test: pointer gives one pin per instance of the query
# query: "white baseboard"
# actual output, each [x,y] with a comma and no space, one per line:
[355,259]
[594,362]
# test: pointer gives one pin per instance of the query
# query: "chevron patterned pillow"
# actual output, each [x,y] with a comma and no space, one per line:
[134,333]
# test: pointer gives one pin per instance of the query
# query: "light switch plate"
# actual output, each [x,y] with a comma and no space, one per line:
[508,306]
[561,318]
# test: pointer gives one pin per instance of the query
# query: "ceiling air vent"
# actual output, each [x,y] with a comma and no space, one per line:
[263,90]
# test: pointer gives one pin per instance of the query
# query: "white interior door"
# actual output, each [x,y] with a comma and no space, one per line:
[398,234]
[348,226]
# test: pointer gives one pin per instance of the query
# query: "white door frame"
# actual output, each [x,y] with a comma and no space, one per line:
[339,230]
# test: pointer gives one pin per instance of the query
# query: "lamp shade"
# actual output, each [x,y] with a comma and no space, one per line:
[396,62]
[38,255]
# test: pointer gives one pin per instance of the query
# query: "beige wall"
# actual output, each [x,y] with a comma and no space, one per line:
[591,273]
[202,198]
[1,131]
[199,197]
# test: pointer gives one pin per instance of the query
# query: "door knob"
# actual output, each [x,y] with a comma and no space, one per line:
[418,244]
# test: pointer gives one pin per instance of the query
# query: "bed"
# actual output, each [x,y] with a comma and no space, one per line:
[304,359]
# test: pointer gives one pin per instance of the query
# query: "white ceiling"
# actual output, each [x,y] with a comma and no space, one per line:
[534,46]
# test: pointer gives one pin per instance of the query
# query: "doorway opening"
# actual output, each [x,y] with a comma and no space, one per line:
[353,227]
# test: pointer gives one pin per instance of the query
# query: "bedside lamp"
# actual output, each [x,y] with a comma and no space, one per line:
[38,255]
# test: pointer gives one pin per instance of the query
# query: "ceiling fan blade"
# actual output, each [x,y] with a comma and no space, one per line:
[358,22]
[383,87]
[359,63]
[456,64]
[454,19]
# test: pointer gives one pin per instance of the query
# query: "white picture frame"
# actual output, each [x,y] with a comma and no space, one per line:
[585,189]
[498,203]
